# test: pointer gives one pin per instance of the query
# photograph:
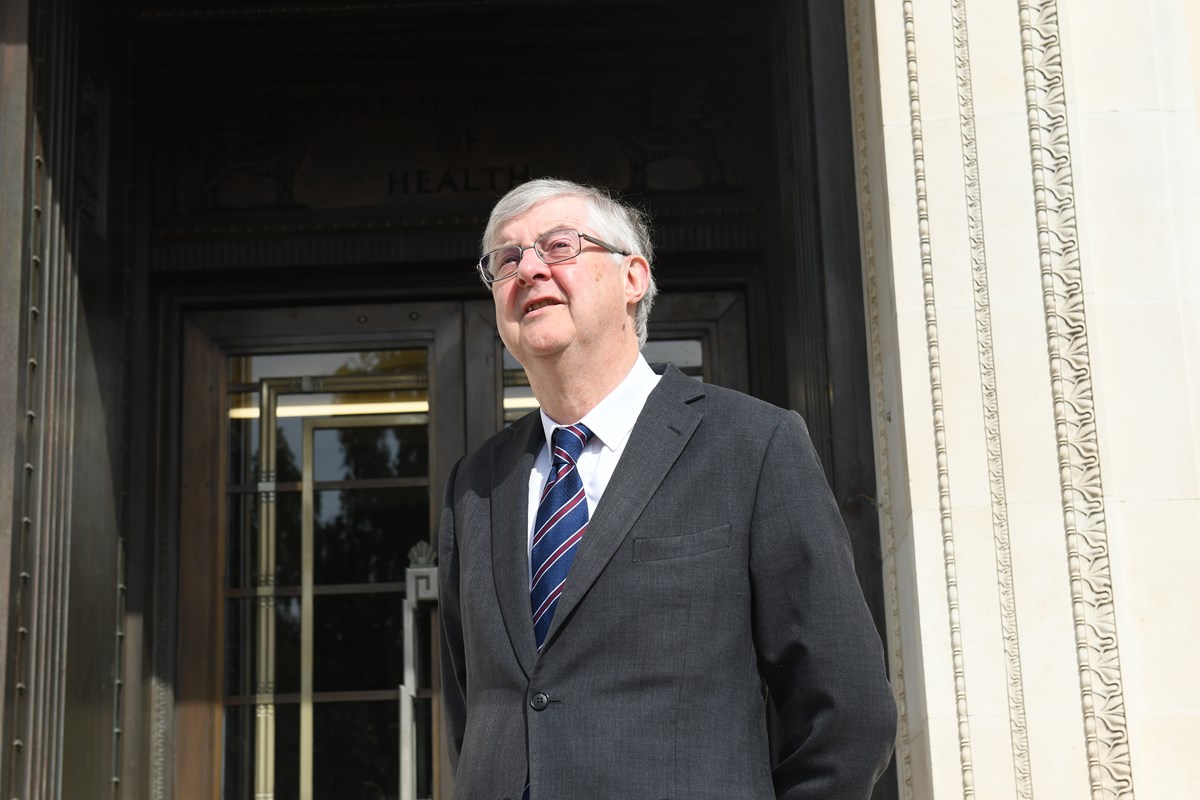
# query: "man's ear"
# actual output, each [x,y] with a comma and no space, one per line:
[637,279]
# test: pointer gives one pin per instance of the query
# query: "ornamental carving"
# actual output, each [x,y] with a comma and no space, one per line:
[256,137]
[1018,733]
[939,423]
[1102,694]
[882,416]
[675,131]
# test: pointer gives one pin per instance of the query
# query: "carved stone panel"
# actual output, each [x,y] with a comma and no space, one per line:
[441,145]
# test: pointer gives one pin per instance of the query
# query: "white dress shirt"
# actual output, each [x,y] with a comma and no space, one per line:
[610,422]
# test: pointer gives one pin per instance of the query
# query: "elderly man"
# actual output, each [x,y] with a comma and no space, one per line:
[628,574]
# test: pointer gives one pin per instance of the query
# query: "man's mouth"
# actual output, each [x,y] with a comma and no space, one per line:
[540,304]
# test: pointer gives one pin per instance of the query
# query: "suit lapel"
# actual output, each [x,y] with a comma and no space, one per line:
[663,429]
[510,534]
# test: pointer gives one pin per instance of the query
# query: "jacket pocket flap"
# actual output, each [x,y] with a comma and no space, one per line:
[689,544]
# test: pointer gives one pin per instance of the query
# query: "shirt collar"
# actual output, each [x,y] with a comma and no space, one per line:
[613,417]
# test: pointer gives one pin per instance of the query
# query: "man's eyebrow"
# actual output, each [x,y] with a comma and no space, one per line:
[557,226]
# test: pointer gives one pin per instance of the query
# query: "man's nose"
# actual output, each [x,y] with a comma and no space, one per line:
[531,268]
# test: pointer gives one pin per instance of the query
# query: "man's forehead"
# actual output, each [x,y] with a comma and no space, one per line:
[555,213]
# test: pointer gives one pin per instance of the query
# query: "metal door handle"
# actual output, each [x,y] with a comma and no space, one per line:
[421,588]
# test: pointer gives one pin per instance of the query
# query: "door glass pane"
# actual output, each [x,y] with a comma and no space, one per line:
[287,752]
[239,751]
[288,549]
[287,645]
[288,431]
[241,657]
[358,643]
[364,535]
[359,751]
[241,543]
[242,539]
[317,541]
[517,397]
[391,451]
[352,403]
[254,368]
[686,354]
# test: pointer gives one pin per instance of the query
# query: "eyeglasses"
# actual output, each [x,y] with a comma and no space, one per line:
[501,264]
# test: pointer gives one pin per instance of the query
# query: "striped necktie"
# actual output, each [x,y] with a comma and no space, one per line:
[562,517]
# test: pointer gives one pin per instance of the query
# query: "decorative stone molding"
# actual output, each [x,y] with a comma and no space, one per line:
[162,701]
[1102,693]
[991,408]
[422,554]
[936,393]
[879,403]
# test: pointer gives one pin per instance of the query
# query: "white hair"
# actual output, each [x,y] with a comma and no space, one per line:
[617,223]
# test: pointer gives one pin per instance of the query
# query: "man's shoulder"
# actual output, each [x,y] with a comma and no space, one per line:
[504,442]
[724,397]
[722,402]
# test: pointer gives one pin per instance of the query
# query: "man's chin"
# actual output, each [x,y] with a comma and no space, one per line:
[545,352]
[537,348]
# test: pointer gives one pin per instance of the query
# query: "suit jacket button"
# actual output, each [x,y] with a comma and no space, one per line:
[539,701]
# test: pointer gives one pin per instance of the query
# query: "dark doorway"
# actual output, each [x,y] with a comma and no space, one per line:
[307,164]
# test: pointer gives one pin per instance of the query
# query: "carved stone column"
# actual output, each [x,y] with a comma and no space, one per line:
[1028,211]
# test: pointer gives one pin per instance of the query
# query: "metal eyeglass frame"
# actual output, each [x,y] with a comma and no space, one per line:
[491,280]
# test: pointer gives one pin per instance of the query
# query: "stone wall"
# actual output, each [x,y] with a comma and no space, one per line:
[1028,177]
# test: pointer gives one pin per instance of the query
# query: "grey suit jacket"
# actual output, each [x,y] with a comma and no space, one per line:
[715,562]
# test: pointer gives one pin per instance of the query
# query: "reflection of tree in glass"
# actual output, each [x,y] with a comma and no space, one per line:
[288,558]
[357,644]
[364,537]
[357,747]
[287,514]
[387,362]
[368,539]
[287,752]
[243,450]
[288,430]
[366,533]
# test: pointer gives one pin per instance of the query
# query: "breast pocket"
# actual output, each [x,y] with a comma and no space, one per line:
[660,548]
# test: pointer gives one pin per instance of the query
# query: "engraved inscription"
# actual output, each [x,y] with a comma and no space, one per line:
[463,179]
[396,143]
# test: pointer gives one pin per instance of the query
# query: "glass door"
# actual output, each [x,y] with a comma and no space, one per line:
[329,503]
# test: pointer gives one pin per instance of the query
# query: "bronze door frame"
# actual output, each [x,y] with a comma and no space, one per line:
[209,339]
